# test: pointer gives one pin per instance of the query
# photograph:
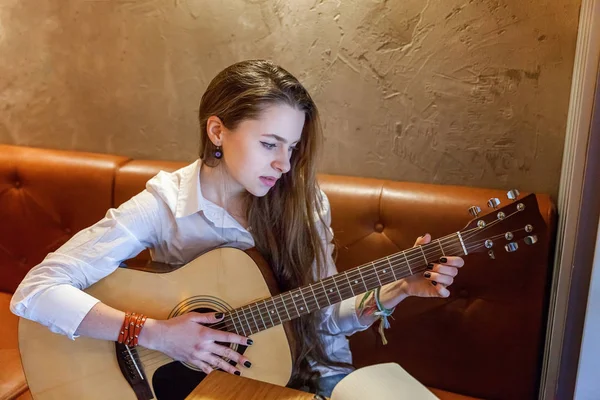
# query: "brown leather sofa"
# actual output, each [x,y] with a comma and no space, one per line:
[485,341]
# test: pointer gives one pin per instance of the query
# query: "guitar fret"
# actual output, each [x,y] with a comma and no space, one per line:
[350,284]
[376,274]
[336,286]
[252,314]
[363,279]
[285,307]
[441,248]
[407,263]
[392,268]
[304,299]
[276,310]
[241,324]
[295,305]
[422,252]
[227,325]
[330,292]
[247,322]
[260,315]
[268,313]
[325,291]
[314,295]
[233,322]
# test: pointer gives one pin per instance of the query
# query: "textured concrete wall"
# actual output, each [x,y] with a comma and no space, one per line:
[444,91]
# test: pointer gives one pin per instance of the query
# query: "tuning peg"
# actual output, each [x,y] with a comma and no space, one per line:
[531,239]
[474,211]
[512,246]
[494,202]
[513,194]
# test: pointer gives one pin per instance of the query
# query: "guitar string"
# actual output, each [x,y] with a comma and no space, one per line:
[354,271]
[162,358]
[329,281]
[152,358]
[305,291]
[389,259]
[277,302]
[261,306]
[369,279]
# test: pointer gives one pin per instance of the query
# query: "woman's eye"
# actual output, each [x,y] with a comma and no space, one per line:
[293,148]
[268,145]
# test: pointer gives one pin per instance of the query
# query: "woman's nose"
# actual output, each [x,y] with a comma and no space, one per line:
[282,163]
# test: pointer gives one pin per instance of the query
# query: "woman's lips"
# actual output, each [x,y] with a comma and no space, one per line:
[268,181]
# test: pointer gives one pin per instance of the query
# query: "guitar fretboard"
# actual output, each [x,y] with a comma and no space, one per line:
[267,313]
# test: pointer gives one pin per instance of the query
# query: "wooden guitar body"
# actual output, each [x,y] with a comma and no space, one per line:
[220,280]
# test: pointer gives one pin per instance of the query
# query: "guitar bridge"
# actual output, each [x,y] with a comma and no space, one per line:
[133,371]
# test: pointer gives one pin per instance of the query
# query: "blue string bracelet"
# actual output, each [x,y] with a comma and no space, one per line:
[383,314]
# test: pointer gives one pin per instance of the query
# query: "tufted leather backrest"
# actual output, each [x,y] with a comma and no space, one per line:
[485,340]
[46,196]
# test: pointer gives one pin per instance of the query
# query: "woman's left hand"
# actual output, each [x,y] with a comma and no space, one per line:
[433,282]
[436,279]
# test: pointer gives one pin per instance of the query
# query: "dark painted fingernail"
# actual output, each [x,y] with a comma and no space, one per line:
[247,364]
[238,373]
[219,315]
[427,275]
[250,342]
[433,283]
[430,266]
[443,260]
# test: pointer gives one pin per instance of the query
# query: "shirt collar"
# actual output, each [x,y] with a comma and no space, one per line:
[191,201]
[189,198]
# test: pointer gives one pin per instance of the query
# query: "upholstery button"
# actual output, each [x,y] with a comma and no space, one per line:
[23,260]
[463,293]
[67,230]
[379,227]
[17,184]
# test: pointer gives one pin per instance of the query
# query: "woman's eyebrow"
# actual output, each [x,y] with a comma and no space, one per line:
[277,137]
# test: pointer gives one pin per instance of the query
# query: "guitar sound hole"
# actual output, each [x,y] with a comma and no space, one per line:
[175,381]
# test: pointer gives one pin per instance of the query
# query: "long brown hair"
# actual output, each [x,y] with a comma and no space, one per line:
[283,225]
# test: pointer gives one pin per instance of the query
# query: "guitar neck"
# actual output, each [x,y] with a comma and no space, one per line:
[264,314]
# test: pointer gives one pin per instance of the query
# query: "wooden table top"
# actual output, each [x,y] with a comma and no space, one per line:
[220,385]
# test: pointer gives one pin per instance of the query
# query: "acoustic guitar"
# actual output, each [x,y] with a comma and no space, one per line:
[238,284]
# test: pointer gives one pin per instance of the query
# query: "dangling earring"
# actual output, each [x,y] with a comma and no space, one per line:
[218,153]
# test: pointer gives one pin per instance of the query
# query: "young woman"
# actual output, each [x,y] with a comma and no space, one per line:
[253,186]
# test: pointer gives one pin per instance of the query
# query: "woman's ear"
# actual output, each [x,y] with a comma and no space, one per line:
[215,129]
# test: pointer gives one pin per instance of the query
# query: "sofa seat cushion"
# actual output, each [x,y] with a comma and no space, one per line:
[12,378]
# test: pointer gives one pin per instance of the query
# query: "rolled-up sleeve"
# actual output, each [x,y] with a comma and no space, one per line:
[52,292]
[340,318]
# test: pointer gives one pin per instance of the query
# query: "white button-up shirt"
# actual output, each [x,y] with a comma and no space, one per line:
[177,224]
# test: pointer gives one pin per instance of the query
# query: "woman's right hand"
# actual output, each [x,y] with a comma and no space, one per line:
[185,338]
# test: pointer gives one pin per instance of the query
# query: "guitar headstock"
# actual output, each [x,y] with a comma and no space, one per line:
[506,228]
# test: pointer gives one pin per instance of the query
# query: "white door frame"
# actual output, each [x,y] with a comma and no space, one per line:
[571,189]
